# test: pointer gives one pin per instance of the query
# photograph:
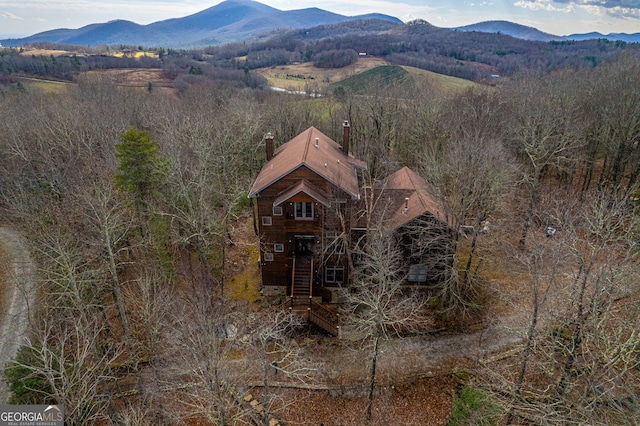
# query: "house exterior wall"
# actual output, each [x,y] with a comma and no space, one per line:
[280,230]
[426,242]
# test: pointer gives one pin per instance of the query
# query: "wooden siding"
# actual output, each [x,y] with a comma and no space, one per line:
[285,228]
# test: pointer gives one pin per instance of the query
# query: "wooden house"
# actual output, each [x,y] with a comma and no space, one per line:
[307,196]
[304,196]
[423,227]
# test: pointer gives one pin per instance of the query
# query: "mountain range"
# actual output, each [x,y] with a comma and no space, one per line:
[530,33]
[247,20]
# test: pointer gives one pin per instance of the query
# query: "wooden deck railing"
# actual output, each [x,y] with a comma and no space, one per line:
[324,318]
[293,278]
[316,313]
[311,281]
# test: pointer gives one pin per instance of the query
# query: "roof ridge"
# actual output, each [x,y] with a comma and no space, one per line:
[306,147]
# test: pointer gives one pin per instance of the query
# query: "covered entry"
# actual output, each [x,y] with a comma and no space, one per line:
[303,245]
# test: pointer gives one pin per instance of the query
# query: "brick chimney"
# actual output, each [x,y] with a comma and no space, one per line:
[268,143]
[346,130]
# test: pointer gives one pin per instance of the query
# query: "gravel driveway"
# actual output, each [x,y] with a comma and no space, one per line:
[14,316]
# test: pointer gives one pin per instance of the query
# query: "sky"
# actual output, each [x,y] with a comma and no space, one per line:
[20,18]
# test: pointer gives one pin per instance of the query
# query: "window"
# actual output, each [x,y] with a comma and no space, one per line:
[333,274]
[278,248]
[417,273]
[266,220]
[268,257]
[303,210]
[277,210]
[334,244]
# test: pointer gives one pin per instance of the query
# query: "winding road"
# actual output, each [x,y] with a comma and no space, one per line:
[19,295]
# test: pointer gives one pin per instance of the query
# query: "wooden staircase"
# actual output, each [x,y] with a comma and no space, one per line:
[302,279]
[301,298]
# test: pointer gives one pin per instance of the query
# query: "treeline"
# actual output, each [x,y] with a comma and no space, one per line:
[470,55]
[65,67]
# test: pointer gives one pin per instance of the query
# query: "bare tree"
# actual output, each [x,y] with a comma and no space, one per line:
[470,177]
[206,342]
[544,133]
[66,359]
[542,263]
[378,306]
[154,301]
[106,215]
[66,350]
[577,365]
[275,355]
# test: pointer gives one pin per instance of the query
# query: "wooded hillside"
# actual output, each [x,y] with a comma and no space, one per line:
[133,202]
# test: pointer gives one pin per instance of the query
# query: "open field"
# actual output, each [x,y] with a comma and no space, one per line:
[45,86]
[136,54]
[305,77]
[46,52]
[297,77]
[56,52]
[134,77]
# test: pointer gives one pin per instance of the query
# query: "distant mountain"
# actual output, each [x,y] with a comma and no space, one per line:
[229,21]
[530,33]
[248,20]
[629,38]
[511,29]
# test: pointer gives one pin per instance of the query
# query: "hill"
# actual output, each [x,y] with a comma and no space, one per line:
[529,33]
[511,29]
[404,80]
[629,38]
[365,73]
[229,21]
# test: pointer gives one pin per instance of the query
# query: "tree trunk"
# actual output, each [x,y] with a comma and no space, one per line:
[527,351]
[372,376]
[117,295]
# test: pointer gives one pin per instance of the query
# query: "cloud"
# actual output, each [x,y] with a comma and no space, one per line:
[10,15]
[614,8]
[547,5]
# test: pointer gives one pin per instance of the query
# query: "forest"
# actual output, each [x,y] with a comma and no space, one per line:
[146,310]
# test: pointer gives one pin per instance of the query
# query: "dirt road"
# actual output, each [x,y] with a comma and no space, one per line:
[14,317]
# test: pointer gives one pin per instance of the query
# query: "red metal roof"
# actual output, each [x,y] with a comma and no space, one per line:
[409,197]
[316,151]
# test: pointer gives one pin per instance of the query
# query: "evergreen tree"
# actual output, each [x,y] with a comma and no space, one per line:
[141,171]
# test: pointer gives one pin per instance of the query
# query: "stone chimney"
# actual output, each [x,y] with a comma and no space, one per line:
[268,143]
[346,130]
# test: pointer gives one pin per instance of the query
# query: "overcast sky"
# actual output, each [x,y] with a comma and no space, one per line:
[19,18]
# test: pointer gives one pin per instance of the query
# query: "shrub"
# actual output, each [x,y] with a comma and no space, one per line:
[24,378]
[474,407]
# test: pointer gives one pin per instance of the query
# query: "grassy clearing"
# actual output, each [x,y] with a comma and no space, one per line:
[135,54]
[404,79]
[45,52]
[442,81]
[297,77]
[306,77]
[474,407]
[44,86]
[245,286]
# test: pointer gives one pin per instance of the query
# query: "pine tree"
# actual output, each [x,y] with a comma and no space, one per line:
[141,171]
